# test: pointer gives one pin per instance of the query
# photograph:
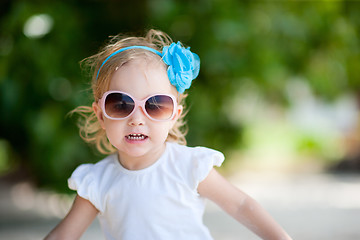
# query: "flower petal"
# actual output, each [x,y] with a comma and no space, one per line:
[184,65]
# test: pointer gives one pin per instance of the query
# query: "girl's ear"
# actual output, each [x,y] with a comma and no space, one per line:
[178,113]
[99,114]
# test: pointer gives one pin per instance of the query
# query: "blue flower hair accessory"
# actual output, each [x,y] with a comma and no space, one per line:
[184,65]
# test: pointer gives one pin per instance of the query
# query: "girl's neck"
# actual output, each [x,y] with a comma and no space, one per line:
[141,162]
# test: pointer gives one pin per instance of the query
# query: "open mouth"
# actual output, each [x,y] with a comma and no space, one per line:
[136,137]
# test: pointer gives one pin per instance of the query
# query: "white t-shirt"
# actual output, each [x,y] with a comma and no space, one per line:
[155,203]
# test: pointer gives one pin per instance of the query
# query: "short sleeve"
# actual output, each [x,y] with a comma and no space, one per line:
[204,160]
[83,181]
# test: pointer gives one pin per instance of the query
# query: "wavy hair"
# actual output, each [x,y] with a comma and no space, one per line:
[89,127]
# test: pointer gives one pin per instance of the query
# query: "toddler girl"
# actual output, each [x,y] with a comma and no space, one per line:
[151,186]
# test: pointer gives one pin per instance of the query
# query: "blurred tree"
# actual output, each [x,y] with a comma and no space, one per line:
[41,44]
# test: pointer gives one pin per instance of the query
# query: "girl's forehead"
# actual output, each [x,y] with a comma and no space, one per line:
[142,77]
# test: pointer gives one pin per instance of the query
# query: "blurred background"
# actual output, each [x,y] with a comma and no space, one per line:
[278,93]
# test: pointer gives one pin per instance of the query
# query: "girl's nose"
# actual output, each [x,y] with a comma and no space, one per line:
[137,118]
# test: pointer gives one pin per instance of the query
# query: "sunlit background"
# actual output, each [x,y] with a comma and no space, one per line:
[278,93]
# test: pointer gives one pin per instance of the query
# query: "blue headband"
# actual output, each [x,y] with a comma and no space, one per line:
[184,65]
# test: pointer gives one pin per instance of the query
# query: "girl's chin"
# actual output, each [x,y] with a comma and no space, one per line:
[134,149]
[140,149]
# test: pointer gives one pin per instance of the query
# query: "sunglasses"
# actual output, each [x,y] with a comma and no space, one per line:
[118,105]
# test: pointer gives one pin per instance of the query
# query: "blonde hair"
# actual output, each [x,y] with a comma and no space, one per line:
[89,127]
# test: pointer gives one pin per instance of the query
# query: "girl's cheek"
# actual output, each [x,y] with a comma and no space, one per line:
[114,138]
[113,131]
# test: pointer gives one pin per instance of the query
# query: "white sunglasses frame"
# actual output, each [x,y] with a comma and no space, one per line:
[138,103]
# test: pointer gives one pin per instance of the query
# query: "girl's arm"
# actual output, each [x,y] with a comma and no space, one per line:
[75,223]
[241,206]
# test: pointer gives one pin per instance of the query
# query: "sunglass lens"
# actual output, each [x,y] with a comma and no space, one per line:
[160,107]
[118,105]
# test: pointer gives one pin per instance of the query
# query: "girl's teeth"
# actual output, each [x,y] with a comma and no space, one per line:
[135,137]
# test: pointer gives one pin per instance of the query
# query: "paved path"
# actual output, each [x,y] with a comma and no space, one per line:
[309,207]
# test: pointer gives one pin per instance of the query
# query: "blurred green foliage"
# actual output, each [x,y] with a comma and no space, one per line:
[263,43]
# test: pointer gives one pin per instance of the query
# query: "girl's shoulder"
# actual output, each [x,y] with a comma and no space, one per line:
[97,168]
[193,163]
[195,153]
[90,172]
[91,181]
